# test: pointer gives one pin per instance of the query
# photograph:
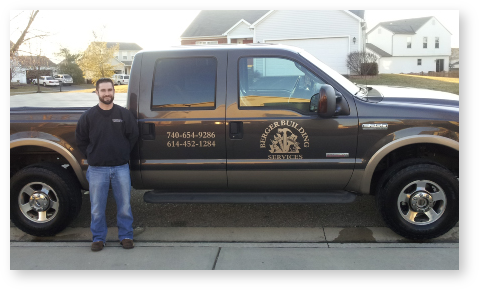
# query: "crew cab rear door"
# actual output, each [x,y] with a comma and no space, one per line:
[182,119]
[274,140]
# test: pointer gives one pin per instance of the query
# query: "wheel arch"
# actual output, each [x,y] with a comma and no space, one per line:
[57,148]
[365,177]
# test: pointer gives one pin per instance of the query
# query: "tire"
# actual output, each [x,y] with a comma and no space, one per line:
[119,83]
[44,84]
[390,172]
[57,203]
[68,175]
[420,201]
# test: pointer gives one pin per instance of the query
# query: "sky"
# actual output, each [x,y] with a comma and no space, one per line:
[153,29]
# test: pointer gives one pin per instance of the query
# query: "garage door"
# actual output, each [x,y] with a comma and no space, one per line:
[331,51]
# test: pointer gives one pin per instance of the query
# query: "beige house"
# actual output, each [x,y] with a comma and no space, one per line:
[124,58]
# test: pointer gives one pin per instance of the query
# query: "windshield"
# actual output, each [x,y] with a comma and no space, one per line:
[49,78]
[127,77]
[67,76]
[347,84]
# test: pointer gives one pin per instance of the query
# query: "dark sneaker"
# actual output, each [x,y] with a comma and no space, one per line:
[127,244]
[97,246]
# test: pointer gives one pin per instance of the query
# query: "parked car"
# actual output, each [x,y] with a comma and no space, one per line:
[120,79]
[46,81]
[64,79]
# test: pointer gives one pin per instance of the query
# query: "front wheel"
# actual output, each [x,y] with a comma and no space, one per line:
[44,84]
[43,200]
[420,201]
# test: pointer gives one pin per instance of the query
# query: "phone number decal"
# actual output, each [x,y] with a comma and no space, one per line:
[190,135]
[191,144]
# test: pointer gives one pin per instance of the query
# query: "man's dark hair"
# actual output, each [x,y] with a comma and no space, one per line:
[104,80]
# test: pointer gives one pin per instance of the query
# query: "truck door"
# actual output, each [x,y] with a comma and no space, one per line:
[182,119]
[275,141]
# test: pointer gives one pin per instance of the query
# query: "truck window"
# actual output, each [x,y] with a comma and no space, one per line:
[276,82]
[184,83]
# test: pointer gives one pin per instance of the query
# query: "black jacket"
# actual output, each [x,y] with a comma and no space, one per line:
[106,137]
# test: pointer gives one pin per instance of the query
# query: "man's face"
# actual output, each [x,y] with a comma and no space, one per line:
[106,93]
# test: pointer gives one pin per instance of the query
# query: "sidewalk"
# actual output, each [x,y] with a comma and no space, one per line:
[236,248]
[234,256]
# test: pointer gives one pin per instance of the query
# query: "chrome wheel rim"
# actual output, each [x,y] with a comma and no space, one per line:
[38,202]
[421,202]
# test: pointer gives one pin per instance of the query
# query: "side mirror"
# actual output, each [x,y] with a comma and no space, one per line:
[327,101]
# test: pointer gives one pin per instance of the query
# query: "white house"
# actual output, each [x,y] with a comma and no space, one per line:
[410,45]
[329,35]
[124,58]
[28,67]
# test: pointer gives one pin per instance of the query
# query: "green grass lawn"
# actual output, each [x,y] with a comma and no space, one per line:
[408,81]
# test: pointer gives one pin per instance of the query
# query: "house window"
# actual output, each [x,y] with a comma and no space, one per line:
[437,42]
[124,57]
[424,42]
[408,42]
[419,61]
[207,42]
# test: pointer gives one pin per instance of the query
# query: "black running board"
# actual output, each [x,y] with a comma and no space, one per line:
[248,197]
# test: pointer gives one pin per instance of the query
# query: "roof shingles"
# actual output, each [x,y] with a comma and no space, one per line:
[377,50]
[216,22]
[125,45]
[404,26]
[29,61]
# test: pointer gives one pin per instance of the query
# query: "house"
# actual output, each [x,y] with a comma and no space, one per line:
[410,45]
[124,57]
[29,67]
[329,35]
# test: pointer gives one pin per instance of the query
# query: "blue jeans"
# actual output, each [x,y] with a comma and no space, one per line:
[99,178]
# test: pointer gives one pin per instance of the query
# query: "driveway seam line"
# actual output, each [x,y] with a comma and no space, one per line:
[216,259]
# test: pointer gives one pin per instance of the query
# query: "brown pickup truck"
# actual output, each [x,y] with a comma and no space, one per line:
[252,124]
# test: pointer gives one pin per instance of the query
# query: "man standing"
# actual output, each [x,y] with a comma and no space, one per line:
[106,134]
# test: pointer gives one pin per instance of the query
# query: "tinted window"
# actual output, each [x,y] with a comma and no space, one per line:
[276,82]
[184,83]
[127,77]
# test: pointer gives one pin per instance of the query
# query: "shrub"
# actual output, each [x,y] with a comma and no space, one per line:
[362,63]
[369,69]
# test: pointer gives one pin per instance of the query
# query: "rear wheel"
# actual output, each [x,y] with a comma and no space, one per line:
[44,199]
[44,84]
[420,201]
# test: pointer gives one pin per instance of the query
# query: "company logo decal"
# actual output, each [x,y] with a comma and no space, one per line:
[375,126]
[284,140]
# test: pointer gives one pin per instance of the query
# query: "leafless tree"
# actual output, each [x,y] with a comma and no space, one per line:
[359,62]
[33,64]
[26,34]
[14,67]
